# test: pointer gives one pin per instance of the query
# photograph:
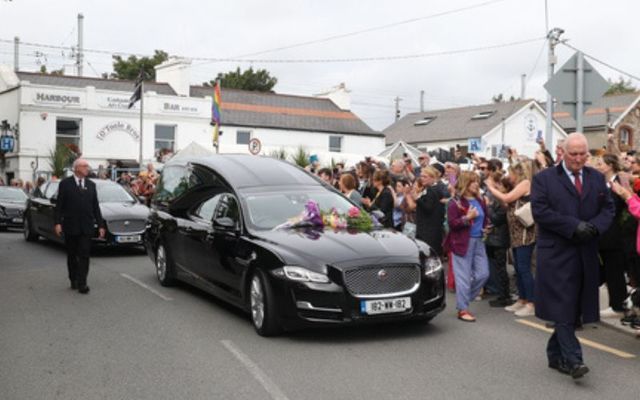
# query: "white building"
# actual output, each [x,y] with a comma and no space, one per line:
[93,114]
[516,124]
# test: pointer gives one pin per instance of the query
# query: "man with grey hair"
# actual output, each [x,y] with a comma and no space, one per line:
[76,214]
[572,207]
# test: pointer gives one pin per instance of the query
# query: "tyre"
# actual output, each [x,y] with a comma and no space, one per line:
[165,270]
[29,234]
[262,305]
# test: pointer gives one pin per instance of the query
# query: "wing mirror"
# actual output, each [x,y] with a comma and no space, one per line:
[224,223]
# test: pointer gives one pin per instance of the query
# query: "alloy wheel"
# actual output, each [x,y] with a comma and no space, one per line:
[161,263]
[257,302]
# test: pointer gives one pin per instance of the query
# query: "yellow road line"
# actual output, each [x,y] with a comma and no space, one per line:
[585,342]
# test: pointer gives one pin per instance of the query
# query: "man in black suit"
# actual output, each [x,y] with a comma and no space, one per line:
[77,213]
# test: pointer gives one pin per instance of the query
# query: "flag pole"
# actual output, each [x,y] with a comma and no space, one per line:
[141,121]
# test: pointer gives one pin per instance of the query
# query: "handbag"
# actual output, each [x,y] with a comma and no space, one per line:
[524,215]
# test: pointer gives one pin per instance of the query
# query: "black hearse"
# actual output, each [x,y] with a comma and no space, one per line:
[219,223]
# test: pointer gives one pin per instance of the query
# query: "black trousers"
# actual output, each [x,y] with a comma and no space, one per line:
[498,277]
[614,261]
[78,250]
[564,346]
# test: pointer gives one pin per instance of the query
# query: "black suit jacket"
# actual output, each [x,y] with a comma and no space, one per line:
[77,209]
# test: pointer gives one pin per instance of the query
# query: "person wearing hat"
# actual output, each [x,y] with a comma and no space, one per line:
[314,163]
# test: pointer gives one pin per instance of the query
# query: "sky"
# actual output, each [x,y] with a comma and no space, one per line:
[434,33]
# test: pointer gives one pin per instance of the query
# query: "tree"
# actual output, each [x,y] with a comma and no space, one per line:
[620,87]
[300,157]
[260,80]
[499,98]
[130,68]
[59,159]
[57,72]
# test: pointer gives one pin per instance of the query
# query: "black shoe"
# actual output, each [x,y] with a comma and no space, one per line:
[629,319]
[84,289]
[501,302]
[74,285]
[560,366]
[578,371]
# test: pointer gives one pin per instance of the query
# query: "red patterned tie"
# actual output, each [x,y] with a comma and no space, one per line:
[578,182]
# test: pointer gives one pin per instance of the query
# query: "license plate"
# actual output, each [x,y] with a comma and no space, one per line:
[17,220]
[128,239]
[385,306]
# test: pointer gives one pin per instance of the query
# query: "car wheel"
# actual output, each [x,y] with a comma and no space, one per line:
[164,267]
[29,234]
[262,305]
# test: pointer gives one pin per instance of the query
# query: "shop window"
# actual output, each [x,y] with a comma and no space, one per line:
[335,144]
[68,133]
[626,137]
[165,140]
[243,137]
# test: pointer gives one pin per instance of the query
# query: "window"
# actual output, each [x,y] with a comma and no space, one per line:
[228,207]
[483,115]
[243,137]
[424,121]
[165,139]
[68,133]
[625,136]
[335,143]
[173,182]
[205,211]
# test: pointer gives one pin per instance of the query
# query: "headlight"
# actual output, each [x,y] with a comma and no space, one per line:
[301,274]
[432,265]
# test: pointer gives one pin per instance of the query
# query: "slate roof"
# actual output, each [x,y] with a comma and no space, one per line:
[596,116]
[98,83]
[239,107]
[451,124]
[271,110]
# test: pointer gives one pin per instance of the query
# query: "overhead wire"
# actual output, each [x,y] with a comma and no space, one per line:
[602,62]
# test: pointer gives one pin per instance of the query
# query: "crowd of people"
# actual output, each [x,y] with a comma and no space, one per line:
[476,213]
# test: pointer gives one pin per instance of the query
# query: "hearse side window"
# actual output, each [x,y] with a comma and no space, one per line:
[206,209]
[169,184]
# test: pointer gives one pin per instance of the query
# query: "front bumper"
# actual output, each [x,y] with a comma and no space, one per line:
[11,222]
[303,304]
[129,239]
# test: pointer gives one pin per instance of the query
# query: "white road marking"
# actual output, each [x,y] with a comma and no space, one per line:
[257,373]
[586,342]
[149,288]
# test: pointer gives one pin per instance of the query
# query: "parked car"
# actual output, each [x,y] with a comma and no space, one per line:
[12,204]
[216,223]
[123,213]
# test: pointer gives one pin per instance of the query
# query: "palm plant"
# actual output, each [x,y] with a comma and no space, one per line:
[280,154]
[300,157]
[59,159]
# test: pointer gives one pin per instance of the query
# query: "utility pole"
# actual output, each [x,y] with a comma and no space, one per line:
[79,55]
[523,86]
[397,101]
[422,101]
[140,155]
[16,54]
[553,38]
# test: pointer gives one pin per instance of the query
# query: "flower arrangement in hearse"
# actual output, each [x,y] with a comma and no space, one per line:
[312,215]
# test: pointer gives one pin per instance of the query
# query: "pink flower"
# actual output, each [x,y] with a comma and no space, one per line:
[354,212]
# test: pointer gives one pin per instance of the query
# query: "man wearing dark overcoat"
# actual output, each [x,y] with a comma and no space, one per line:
[572,206]
[76,215]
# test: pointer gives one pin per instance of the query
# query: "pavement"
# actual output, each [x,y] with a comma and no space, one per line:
[614,322]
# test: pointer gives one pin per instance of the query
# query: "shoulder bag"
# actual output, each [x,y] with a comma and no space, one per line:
[524,215]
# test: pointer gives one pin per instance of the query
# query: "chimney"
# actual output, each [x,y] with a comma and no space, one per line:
[339,95]
[175,72]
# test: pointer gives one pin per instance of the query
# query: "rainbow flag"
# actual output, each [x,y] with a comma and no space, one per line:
[215,112]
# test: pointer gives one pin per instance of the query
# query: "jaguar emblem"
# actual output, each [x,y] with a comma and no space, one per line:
[382,275]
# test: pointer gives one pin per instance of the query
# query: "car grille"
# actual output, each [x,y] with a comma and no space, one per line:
[12,212]
[126,226]
[367,281]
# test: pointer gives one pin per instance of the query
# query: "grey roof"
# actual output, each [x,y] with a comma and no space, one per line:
[451,124]
[596,115]
[271,110]
[98,83]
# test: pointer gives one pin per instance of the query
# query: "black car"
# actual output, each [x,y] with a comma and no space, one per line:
[125,217]
[217,223]
[12,204]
